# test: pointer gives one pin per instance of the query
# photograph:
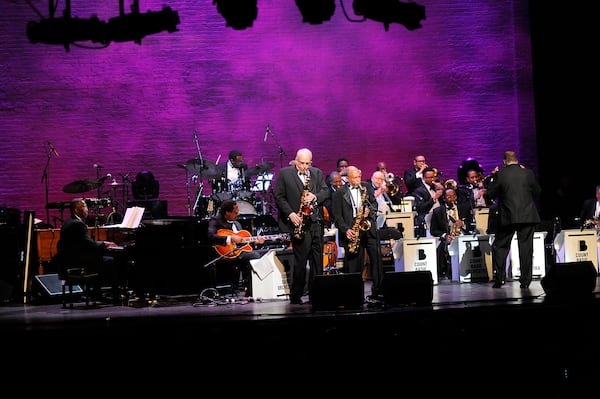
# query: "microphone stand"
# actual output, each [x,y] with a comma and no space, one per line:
[45,180]
[280,149]
[199,174]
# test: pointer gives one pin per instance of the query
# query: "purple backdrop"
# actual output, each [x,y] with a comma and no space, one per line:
[459,87]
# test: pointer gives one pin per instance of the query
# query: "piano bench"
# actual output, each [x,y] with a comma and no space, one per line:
[78,276]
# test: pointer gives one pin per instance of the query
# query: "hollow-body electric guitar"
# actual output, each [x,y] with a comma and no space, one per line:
[232,251]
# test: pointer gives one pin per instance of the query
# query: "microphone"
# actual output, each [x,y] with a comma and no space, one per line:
[267,133]
[98,166]
[52,149]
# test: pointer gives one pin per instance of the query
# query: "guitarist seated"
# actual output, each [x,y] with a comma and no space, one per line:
[232,242]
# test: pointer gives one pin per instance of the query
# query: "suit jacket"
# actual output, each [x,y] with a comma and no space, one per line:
[440,224]
[411,181]
[218,222]
[515,187]
[588,209]
[423,203]
[343,208]
[288,193]
[77,248]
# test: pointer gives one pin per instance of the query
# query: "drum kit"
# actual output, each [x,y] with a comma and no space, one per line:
[98,205]
[250,197]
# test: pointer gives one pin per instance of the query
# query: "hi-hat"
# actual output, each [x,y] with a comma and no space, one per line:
[82,186]
[258,169]
[202,167]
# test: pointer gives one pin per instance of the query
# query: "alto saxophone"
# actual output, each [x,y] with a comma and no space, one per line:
[360,223]
[306,209]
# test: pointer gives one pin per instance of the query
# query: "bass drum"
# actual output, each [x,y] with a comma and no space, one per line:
[246,208]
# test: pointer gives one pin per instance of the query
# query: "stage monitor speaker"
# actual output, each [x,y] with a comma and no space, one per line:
[571,280]
[50,286]
[338,291]
[406,288]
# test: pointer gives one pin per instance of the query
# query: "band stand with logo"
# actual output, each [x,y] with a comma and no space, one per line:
[577,246]
[471,257]
[269,280]
[403,221]
[416,254]
[538,268]
[481,216]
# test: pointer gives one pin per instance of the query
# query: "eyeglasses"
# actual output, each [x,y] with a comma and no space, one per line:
[420,160]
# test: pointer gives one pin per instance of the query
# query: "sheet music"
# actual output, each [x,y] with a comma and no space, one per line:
[131,220]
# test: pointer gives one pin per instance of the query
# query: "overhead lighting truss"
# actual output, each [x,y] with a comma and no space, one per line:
[67,30]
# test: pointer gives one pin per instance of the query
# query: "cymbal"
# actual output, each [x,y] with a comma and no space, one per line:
[258,169]
[207,169]
[82,186]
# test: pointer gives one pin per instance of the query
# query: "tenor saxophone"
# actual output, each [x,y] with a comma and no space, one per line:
[360,223]
[305,211]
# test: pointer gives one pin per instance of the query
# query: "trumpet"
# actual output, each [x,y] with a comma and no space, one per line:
[451,183]
[391,187]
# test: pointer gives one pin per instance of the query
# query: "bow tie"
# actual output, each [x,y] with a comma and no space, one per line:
[355,188]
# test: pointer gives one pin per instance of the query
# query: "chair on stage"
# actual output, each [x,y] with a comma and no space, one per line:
[74,276]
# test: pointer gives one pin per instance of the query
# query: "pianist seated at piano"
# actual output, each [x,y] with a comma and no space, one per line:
[77,249]
[232,243]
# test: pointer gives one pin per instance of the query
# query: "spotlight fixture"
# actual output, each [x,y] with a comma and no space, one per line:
[388,11]
[238,14]
[134,26]
[126,27]
[316,12]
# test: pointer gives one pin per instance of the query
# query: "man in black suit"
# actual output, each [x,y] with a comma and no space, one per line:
[77,249]
[447,225]
[590,211]
[413,177]
[300,191]
[515,188]
[347,202]
[233,244]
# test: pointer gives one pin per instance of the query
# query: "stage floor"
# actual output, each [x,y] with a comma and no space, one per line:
[470,334]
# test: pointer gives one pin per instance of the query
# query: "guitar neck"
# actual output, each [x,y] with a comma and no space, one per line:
[268,237]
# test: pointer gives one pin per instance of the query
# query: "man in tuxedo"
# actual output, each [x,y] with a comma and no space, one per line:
[300,191]
[413,177]
[232,174]
[515,188]
[448,222]
[590,211]
[347,202]
[227,234]
[77,249]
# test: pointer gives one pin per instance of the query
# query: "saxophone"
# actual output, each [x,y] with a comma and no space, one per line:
[360,223]
[306,209]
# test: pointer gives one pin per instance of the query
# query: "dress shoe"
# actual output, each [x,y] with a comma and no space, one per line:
[296,301]
[524,286]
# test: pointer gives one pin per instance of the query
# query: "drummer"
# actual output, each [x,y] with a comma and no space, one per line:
[233,172]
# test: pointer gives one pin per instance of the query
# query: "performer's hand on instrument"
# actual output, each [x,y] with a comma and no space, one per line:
[260,240]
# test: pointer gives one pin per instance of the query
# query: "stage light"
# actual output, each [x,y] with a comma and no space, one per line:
[66,30]
[388,11]
[238,14]
[126,27]
[134,26]
[316,11]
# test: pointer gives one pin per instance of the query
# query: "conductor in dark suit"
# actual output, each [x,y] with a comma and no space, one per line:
[226,232]
[515,188]
[300,191]
[347,203]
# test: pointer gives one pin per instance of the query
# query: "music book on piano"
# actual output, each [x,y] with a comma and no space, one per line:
[131,220]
